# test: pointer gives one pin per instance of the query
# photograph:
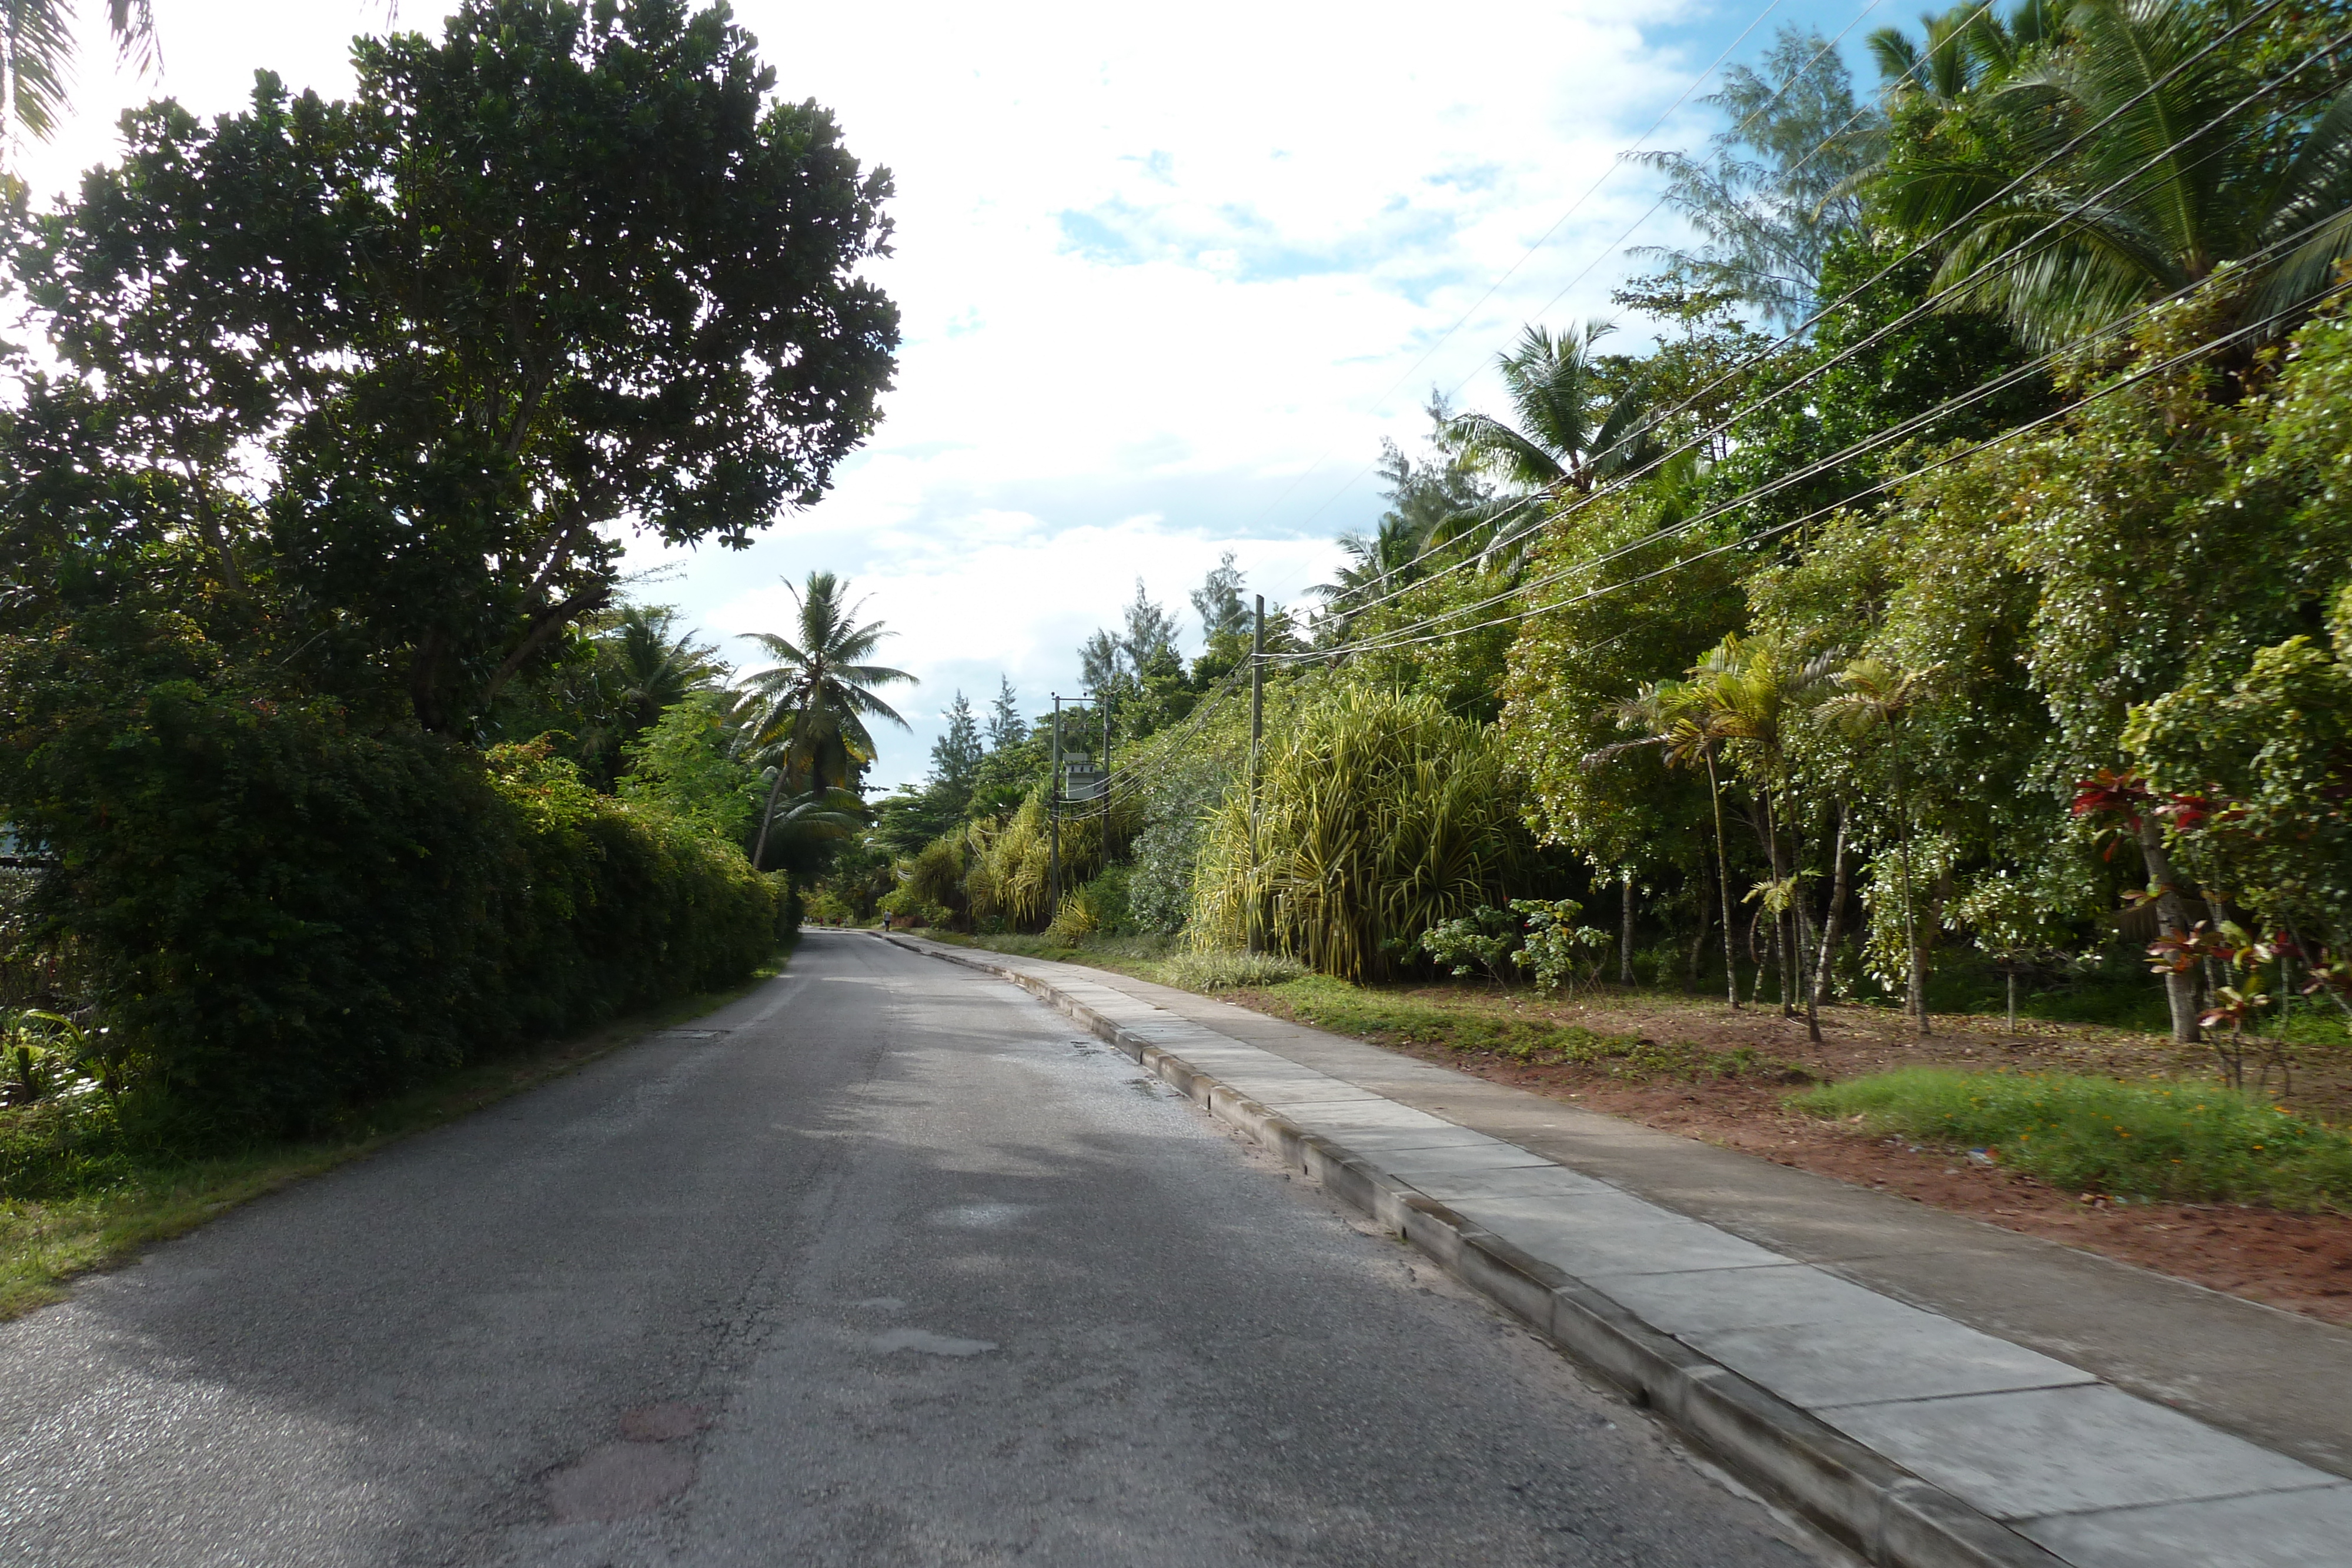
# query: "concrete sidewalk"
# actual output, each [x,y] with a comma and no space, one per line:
[1928,1388]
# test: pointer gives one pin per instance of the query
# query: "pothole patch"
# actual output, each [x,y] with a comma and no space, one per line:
[665,1422]
[618,1481]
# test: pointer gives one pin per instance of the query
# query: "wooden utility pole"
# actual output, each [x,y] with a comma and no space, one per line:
[1254,930]
[1105,700]
[1054,810]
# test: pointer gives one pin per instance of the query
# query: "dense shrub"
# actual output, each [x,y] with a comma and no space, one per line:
[1229,971]
[1379,815]
[281,913]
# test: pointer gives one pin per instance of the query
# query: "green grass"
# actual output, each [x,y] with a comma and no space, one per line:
[1128,955]
[1477,1025]
[2144,1139]
[77,1196]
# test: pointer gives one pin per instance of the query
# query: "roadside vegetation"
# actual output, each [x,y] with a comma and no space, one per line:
[1944,620]
[2186,1142]
[340,773]
[81,1190]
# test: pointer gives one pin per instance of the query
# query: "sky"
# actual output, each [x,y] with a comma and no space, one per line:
[1167,278]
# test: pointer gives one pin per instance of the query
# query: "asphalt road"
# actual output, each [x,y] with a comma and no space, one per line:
[896,1269]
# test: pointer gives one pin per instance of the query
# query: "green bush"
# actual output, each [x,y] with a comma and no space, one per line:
[1229,971]
[2149,1140]
[282,912]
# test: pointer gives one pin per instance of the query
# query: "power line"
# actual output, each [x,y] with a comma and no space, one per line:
[1876,440]
[1818,466]
[1914,313]
[1528,254]
[2250,331]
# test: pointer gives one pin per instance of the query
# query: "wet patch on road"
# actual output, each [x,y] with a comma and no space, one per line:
[924,1342]
[654,1462]
[981,1216]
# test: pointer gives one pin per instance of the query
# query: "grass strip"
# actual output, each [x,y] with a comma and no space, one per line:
[1481,1025]
[98,1208]
[2146,1139]
[1471,1023]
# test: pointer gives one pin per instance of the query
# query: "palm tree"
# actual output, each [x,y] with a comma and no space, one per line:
[1748,688]
[1674,717]
[1874,695]
[642,666]
[818,816]
[814,700]
[36,50]
[2159,170]
[1572,429]
[1378,562]
[1965,48]
[652,665]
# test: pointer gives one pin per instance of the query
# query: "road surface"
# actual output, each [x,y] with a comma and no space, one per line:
[884,1264]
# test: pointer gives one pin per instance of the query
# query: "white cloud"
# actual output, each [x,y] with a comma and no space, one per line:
[1163,276]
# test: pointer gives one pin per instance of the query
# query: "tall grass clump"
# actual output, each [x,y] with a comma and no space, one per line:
[2152,1140]
[1229,971]
[1379,814]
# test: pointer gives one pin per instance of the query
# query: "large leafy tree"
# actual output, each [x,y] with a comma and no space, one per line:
[372,388]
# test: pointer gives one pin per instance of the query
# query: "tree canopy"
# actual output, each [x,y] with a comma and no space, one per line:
[375,385]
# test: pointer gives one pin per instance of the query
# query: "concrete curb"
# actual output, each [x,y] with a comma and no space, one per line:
[1855,1496]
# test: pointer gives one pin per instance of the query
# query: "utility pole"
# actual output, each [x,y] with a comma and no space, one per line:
[1255,935]
[1054,807]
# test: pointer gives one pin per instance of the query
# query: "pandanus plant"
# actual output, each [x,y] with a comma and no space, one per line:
[1750,688]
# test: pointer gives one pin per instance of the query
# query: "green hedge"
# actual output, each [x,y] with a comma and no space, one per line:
[286,914]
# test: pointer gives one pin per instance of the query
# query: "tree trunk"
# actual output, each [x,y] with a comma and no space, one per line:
[1805,929]
[1833,919]
[2172,920]
[1706,918]
[1781,917]
[1625,937]
[1756,955]
[1918,999]
[768,815]
[1723,864]
[1801,936]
